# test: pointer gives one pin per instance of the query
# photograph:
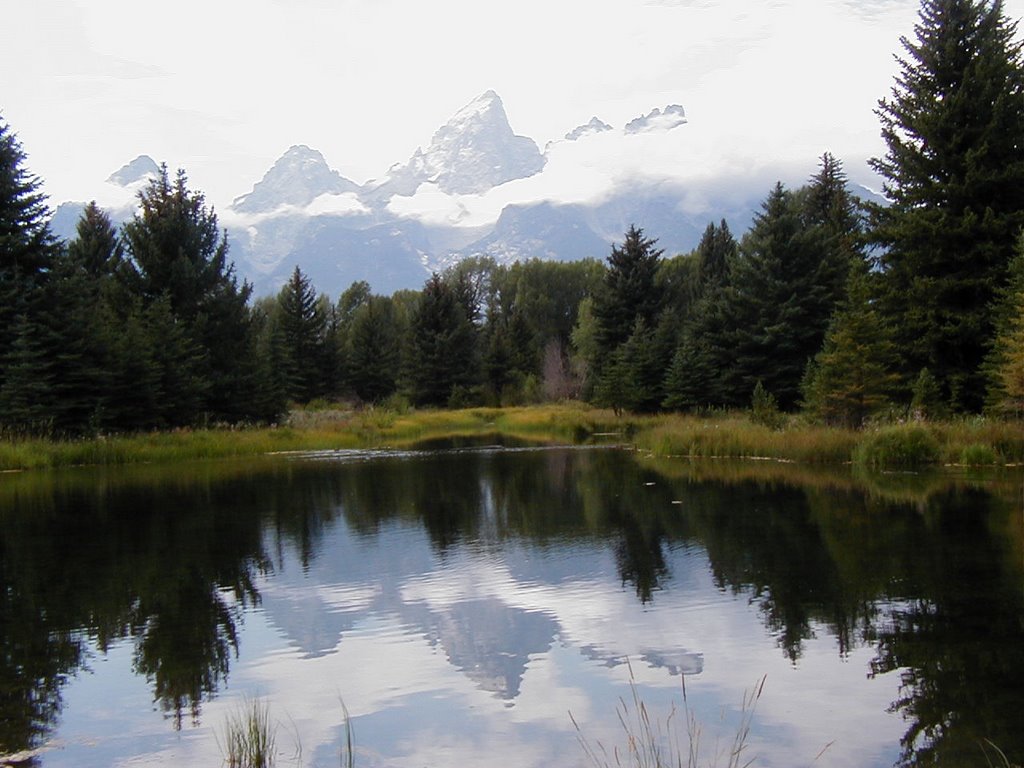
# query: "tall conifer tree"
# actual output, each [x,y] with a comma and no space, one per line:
[954,175]
[27,247]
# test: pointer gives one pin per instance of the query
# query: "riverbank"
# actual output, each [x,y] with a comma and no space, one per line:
[963,442]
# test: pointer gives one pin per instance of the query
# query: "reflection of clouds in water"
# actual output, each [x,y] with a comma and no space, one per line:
[427,651]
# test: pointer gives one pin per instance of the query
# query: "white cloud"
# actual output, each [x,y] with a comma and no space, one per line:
[219,88]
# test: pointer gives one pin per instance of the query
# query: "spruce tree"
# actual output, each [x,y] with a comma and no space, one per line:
[441,356]
[717,248]
[27,247]
[954,176]
[97,248]
[689,380]
[373,350]
[854,375]
[629,291]
[771,317]
[176,253]
[303,326]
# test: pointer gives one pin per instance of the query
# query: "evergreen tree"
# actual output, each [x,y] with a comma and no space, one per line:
[97,249]
[27,247]
[628,292]
[177,254]
[954,176]
[829,205]
[271,398]
[303,324]
[27,395]
[771,317]
[442,352]
[717,248]
[134,396]
[68,324]
[373,355]
[689,380]
[854,375]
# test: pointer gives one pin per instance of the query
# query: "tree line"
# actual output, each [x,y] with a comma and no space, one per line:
[828,304]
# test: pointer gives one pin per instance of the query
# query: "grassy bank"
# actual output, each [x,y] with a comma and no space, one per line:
[965,442]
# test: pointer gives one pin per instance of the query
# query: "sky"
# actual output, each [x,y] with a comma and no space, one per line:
[222,88]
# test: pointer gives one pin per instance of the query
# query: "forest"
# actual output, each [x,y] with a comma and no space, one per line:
[842,310]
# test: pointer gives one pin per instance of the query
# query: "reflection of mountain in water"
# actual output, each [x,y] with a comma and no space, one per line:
[492,559]
[492,642]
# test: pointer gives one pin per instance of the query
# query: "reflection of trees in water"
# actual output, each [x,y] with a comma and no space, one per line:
[814,557]
[958,643]
[172,564]
[85,564]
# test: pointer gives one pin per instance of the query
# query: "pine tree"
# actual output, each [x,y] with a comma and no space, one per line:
[97,248]
[27,396]
[717,248]
[27,247]
[854,375]
[954,176]
[689,380]
[629,291]
[441,357]
[176,253]
[373,354]
[771,317]
[303,327]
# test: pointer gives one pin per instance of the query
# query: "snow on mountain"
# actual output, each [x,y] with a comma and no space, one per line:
[657,120]
[298,178]
[588,129]
[141,169]
[478,188]
[473,152]
[118,196]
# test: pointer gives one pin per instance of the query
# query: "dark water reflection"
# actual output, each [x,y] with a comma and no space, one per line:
[924,574]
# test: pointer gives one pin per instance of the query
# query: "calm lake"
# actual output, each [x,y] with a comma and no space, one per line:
[460,603]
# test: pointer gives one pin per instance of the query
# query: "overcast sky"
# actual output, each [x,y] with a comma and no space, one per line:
[222,88]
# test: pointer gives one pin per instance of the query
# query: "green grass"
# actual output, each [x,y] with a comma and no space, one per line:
[898,446]
[968,441]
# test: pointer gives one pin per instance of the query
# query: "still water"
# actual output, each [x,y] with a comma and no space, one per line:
[460,603]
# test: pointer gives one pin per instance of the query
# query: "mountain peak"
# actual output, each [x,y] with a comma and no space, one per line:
[471,153]
[141,168]
[297,178]
[594,126]
[658,120]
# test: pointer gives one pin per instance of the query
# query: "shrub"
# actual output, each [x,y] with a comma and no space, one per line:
[897,446]
[764,410]
[979,455]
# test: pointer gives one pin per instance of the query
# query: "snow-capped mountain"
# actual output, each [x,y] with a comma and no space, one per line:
[140,170]
[588,129]
[118,196]
[657,120]
[477,189]
[473,152]
[300,176]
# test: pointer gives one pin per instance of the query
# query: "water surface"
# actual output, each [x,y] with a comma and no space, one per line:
[461,603]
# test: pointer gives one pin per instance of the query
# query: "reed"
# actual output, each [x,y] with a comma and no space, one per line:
[249,738]
[650,742]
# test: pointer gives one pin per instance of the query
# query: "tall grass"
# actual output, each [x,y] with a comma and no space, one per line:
[249,739]
[649,742]
[968,441]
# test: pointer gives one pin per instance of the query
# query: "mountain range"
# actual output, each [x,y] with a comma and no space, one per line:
[478,188]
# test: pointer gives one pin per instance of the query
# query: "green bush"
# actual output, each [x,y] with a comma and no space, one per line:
[979,455]
[764,410]
[898,446]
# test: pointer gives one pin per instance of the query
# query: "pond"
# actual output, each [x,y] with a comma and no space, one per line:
[459,603]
